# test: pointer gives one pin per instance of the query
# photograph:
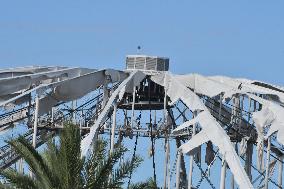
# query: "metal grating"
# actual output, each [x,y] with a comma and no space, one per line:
[160,64]
[151,63]
[130,62]
[144,62]
[140,63]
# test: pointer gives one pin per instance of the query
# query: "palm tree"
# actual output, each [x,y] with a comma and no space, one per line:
[149,184]
[61,167]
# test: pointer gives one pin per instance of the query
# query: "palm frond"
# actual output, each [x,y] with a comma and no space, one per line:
[149,184]
[60,166]
[106,166]
[93,161]
[123,171]
[5,186]
[67,163]
[35,161]
[18,180]
[51,157]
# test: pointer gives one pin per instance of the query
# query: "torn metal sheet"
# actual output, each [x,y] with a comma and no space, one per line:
[215,85]
[12,85]
[205,85]
[77,87]
[135,78]
[270,115]
[211,129]
[250,86]
[70,89]
[14,72]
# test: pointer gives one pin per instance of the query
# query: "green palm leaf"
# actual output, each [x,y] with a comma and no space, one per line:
[60,166]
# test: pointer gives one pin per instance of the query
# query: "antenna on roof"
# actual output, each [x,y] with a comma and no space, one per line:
[139,49]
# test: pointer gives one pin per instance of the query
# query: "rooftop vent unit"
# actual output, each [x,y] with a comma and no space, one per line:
[144,62]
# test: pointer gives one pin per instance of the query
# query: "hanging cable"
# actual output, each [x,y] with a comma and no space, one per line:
[151,130]
[135,147]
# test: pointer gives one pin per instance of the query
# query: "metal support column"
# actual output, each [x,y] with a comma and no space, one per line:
[248,161]
[20,167]
[267,162]
[178,169]
[191,157]
[280,172]
[133,104]
[249,151]
[35,125]
[105,95]
[35,120]
[232,176]
[223,173]
[29,109]
[167,153]
[113,126]
[169,166]
[232,181]
[166,167]
[52,114]
[73,104]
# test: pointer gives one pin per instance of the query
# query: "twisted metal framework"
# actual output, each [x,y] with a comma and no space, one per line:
[212,127]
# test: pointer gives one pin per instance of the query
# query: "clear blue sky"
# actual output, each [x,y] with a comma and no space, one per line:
[235,38]
[243,38]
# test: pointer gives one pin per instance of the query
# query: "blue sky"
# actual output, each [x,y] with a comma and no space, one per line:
[221,37]
[236,38]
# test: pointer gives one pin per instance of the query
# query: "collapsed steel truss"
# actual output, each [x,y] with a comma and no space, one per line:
[236,123]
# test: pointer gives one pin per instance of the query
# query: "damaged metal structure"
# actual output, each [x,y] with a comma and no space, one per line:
[232,127]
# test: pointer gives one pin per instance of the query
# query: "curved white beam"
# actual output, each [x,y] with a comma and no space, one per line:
[271,115]
[134,79]
[271,111]
[78,87]
[251,86]
[196,141]
[215,85]
[20,83]
[70,89]
[211,128]
[18,71]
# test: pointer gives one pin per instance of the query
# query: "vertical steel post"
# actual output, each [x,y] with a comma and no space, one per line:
[280,172]
[81,121]
[223,173]
[169,166]
[220,107]
[105,95]
[113,126]
[52,114]
[29,109]
[35,125]
[189,183]
[166,162]
[232,182]
[35,120]
[178,169]
[73,104]
[267,162]
[232,177]
[248,161]
[20,162]
[167,153]
[133,106]
[21,168]
[249,150]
